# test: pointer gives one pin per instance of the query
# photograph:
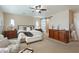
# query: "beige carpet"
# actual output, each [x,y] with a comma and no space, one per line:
[48,45]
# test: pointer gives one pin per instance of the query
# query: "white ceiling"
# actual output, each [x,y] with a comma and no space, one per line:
[25,9]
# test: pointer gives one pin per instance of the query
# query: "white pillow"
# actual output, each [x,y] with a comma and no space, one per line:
[1,36]
[4,43]
[4,50]
[21,31]
[28,29]
[21,28]
[13,48]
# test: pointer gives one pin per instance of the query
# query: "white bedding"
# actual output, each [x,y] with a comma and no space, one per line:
[37,35]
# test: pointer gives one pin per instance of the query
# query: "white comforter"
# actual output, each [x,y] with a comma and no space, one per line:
[37,35]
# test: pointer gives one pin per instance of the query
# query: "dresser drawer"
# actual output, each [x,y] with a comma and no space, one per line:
[61,35]
[10,34]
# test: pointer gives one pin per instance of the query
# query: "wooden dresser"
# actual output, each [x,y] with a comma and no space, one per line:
[10,34]
[61,35]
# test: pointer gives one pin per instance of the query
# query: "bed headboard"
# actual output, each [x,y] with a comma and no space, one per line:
[25,27]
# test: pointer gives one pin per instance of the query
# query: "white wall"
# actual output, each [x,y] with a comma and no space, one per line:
[76,22]
[19,20]
[60,19]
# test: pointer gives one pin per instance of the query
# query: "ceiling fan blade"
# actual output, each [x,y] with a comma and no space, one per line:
[39,6]
[31,8]
[43,9]
[50,17]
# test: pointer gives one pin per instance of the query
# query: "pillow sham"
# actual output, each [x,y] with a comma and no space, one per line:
[28,29]
[21,28]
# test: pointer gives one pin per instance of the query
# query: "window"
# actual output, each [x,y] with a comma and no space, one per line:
[43,24]
[36,24]
[12,22]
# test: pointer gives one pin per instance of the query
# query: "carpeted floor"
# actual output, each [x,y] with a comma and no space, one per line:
[48,45]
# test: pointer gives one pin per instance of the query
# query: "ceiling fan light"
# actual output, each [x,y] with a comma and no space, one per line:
[34,6]
[37,10]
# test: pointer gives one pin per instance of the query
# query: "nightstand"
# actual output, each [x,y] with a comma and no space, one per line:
[10,34]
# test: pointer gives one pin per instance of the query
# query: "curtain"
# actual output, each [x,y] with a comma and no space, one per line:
[1,24]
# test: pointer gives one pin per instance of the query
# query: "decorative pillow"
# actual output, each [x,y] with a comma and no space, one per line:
[24,28]
[29,34]
[21,28]
[28,29]
[4,43]
[31,28]
[13,48]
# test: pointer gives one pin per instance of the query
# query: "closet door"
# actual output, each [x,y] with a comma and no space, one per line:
[1,24]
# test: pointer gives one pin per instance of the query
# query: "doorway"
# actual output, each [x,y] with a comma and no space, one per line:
[45,26]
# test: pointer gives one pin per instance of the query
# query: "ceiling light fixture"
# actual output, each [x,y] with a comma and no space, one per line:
[38,8]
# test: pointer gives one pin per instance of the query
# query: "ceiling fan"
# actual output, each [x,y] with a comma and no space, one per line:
[49,17]
[38,9]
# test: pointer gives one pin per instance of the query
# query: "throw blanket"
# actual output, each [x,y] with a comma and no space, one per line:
[29,34]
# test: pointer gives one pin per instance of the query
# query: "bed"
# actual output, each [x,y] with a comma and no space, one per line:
[29,34]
